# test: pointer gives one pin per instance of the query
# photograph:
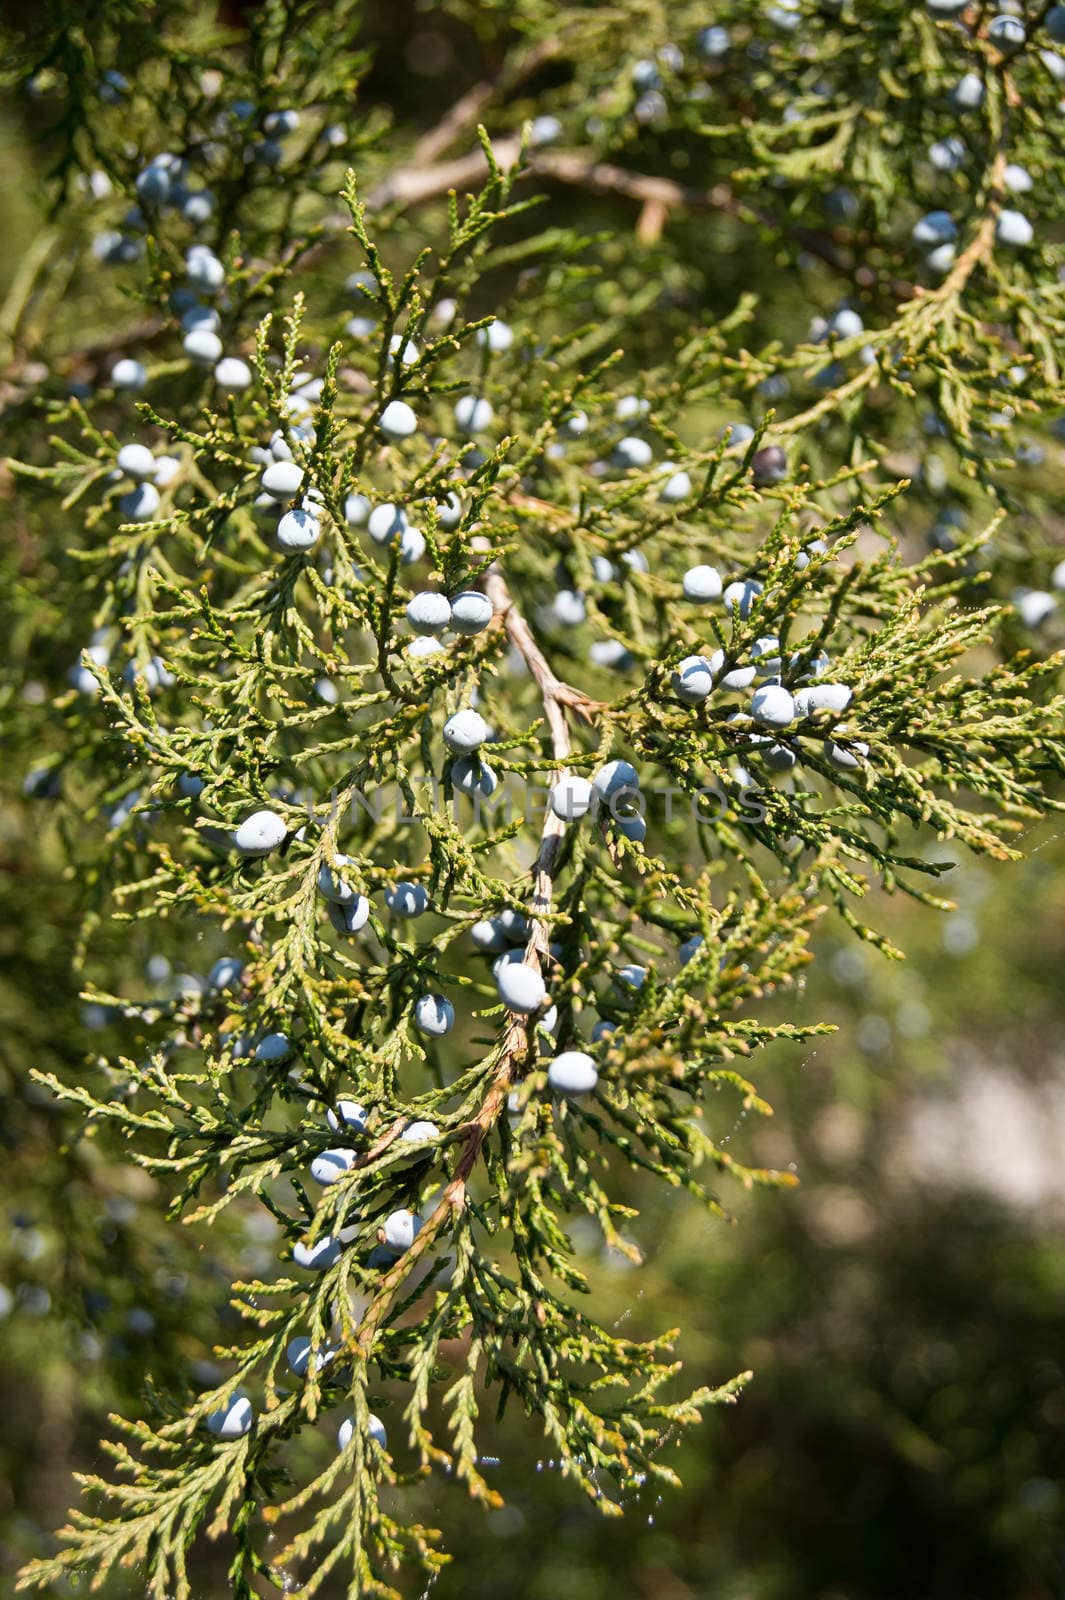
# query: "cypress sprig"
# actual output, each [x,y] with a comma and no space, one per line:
[494,603]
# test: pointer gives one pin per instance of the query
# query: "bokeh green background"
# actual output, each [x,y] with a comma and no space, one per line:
[904,1435]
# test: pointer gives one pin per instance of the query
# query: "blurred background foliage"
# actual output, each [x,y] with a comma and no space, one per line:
[904,1435]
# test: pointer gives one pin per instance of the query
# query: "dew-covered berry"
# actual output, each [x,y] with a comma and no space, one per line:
[434,1015]
[197,317]
[234,1420]
[846,323]
[543,130]
[334,885]
[712,43]
[331,1165]
[274,1047]
[317,1257]
[356,510]
[610,653]
[571,798]
[616,779]
[260,833]
[282,480]
[488,935]
[203,346]
[397,420]
[849,756]
[473,777]
[947,155]
[349,1115]
[386,522]
[407,899]
[198,207]
[465,732]
[472,414]
[153,184]
[702,583]
[969,91]
[521,988]
[400,1229]
[298,1353]
[741,596]
[780,757]
[941,259]
[572,1072]
[402,351]
[140,503]
[420,1132]
[497,336]
[1007,33]
[225,973]
[569,607]
[631,405]
[152,675]
[515,925]
[1013,228]
[129,374]
[765,653]
[633,451]
[773,706]
[428,612]
[136,461]
[449,511]
[471,612]
[411,546]
[233,374]
[1034,606]
[349,916]
[204,270]
[822,697]
[298,530]
[935,227]
[678,486]
[281,122]
[375,1430]
[693,680]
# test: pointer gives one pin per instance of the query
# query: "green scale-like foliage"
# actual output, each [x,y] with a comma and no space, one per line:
[228,677]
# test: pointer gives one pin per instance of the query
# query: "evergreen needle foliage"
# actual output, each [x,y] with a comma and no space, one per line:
[375,376]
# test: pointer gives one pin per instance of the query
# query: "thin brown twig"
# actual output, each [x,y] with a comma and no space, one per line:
[658,197]
[463,115]
[558,698]
[458,119]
